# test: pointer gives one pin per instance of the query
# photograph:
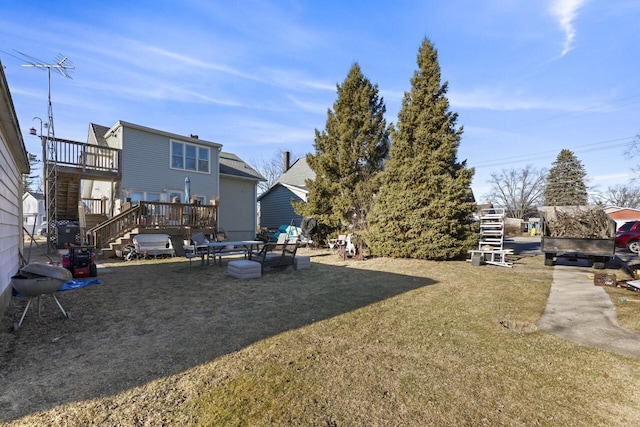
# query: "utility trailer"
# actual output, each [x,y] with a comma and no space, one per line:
[572,245]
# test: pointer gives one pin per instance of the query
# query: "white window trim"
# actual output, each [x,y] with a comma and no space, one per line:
[184,160]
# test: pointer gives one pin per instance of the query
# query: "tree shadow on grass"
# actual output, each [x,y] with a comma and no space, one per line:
[151,319]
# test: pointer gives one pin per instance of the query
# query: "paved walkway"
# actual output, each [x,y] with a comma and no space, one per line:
[583,313]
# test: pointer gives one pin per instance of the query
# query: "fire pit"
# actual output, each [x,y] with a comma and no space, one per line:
[37,279]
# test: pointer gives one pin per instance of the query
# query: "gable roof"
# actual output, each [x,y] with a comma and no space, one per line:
[34,194]
[297,174]
[294,179]
[232,165]
[99,132]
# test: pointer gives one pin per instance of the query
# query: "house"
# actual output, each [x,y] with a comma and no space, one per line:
[622,215]
[159,166]
[275,203]
[33,211]
[14,163]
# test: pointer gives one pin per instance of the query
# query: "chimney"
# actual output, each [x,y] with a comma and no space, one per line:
[287,159]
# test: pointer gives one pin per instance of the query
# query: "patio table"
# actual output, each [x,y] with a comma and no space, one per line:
[218,249]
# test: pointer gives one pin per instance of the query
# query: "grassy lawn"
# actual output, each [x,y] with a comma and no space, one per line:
[442,343]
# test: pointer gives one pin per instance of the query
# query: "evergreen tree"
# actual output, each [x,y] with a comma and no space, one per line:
[349,154]
[32,182]
[565,183]
[425,203]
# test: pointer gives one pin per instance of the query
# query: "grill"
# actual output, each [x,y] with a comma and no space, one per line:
[36,279]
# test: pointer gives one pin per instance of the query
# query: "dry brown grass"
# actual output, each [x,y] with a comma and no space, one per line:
[379,342]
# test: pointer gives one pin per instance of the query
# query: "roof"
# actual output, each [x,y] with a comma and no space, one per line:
[622,214]
[193,139]
[35,195]
[294,179]
[232,165]
[10,125]
[99,132]
[298,174]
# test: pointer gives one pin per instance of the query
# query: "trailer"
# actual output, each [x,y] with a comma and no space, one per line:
[598,247]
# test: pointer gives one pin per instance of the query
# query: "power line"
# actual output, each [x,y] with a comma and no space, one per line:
[586,148]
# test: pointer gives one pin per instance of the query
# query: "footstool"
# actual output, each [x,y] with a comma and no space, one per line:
[302,262]
[244,269]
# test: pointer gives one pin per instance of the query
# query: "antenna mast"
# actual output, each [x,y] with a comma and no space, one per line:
[49,148]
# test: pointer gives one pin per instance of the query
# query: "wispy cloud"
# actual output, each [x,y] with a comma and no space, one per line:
[565,11]
[497,99]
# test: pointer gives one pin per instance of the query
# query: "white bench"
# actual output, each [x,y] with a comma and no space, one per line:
[154,245]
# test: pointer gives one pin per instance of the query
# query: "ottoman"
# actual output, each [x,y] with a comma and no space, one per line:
[301,262]
[244,269]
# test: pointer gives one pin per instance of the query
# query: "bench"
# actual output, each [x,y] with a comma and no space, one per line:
[276,255]
[229,250]
[146,245]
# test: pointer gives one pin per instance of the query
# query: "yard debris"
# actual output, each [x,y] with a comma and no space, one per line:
[582,222]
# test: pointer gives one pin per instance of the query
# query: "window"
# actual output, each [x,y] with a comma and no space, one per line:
[189,157]
[138,196]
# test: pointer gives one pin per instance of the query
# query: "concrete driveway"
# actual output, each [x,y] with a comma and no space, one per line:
[577,310]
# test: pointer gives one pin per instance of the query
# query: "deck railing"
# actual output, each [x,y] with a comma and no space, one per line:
[80,155]
[154,216]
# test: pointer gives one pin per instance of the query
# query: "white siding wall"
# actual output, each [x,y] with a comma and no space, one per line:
[10,220]
[237,209]
[33,211]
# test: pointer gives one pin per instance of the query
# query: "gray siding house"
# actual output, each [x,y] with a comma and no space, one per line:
[14,163]
[156,163]
[275,203]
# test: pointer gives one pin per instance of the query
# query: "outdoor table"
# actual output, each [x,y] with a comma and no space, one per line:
[218,248]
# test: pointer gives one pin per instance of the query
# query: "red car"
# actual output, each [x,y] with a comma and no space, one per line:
[628,236]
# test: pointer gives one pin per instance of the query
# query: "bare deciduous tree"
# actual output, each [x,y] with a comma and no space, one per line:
[271,168]
[623,196]
[519,191]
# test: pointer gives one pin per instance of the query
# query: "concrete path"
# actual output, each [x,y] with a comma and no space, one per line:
[583,313]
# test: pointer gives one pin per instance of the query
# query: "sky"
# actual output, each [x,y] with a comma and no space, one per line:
[526,78]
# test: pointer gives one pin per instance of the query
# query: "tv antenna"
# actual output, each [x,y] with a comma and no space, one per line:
[62,65]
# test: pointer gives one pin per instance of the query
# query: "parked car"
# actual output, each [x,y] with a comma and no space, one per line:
[628,236]
[42,231]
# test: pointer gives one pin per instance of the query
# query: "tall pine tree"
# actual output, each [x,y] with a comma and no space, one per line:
[425,201]
[565,182]
[349,154]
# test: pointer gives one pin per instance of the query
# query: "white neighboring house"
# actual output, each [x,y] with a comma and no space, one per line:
[33,211]
[14,162]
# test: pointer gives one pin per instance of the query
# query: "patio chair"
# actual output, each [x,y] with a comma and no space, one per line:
[198,247]
[276,255]
[336,244]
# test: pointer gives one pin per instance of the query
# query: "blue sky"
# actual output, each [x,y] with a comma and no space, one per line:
[527,78]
